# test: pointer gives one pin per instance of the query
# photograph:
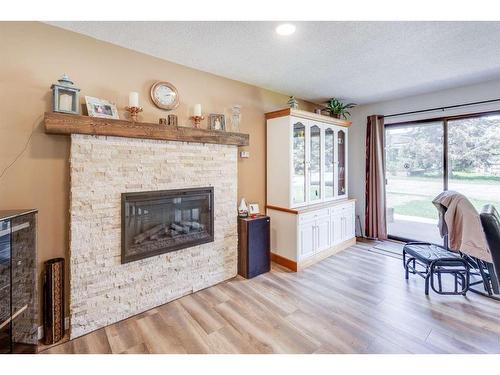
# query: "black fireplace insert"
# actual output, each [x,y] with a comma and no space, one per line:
[158,222]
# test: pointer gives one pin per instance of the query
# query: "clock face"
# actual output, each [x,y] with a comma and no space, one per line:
[165,95]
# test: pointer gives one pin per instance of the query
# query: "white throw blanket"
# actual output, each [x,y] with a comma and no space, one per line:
[465,232]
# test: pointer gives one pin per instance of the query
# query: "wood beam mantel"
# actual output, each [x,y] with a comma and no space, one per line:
[58,123]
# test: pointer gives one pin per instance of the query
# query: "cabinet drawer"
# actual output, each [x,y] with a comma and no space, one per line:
[314,215]
[349,206]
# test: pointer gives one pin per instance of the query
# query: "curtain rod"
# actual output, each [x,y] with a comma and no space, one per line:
[440,108]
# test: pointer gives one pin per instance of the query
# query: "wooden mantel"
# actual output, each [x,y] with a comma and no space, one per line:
[58,123]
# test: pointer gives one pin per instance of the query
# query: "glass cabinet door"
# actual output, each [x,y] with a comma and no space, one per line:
[299,163]
[329,174]
[315,163]
[341,163]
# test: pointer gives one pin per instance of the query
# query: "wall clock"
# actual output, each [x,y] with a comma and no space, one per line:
[165,95]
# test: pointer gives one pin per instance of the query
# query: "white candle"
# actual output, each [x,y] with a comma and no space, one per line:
[133,99]
[197,110]
[65,102]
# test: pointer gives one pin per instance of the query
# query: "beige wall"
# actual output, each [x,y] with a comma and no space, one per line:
[35,55]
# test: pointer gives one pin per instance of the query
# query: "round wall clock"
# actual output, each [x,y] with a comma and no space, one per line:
[165,95]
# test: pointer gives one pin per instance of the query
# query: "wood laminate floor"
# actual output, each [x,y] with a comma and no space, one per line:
[356,301]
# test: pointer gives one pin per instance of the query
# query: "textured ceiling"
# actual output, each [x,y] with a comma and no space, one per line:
[359,61]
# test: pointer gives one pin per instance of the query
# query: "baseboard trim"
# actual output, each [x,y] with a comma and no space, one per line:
[285,262]
[326,253]
[300,265]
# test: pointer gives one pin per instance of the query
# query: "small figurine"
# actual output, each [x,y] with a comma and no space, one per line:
[243,208]
[293,103]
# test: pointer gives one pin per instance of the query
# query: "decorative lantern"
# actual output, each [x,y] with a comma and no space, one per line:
[65,96]
[235,118]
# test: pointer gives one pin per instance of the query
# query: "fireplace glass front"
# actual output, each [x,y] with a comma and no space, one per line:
[158,222]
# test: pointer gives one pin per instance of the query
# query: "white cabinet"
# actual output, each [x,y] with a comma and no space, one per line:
[324,228]
[350,222]
[307,240]
[306,159]
[342,223]
[311,217]
[336,225]
[314,232]
[306,237]
[322,235]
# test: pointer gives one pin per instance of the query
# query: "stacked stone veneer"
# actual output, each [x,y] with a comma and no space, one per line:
[103,290]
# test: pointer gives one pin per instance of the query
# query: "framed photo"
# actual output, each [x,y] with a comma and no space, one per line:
[216,121]
[101,108]
[253,209]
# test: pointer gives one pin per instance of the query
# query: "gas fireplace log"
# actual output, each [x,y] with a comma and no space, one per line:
[180,228]
[173,233]
[193,224]
[145,235]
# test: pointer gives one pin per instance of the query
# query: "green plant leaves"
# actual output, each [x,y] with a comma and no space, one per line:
[337,108]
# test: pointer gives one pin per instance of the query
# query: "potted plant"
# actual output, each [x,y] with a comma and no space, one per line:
[338,109]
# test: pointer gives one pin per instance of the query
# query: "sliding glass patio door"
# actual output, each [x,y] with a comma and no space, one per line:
[414,176]
[426,157]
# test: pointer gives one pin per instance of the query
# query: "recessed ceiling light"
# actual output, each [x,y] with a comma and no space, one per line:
[285,29]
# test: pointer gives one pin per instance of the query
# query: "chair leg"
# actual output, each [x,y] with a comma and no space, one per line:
[493,278]
[427,277]
[464,284]
[440,284]
[407,270]
[486,281]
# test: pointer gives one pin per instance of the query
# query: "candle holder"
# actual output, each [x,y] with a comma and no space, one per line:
[134,111]
[197,120]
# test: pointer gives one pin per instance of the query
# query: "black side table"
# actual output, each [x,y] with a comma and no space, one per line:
[254,250]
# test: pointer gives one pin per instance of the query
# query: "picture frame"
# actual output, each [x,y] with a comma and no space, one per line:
[217,121]
[101,108]
[253,209]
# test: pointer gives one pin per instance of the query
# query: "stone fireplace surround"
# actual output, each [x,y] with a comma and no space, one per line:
[102,289]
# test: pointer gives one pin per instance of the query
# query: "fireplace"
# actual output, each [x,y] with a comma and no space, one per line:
[157,222]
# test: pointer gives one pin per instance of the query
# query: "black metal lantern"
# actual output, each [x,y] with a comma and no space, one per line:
[65,96]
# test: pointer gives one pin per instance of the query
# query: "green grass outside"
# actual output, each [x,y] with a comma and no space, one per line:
[458,176]
[425,208]
[472,177]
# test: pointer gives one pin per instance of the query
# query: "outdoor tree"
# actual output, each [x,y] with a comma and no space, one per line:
[473,147]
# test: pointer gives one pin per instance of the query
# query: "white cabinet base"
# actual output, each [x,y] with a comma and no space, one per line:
[325,253]
[301,238]
[297,266]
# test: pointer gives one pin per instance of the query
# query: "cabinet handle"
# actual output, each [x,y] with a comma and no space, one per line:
[314,237]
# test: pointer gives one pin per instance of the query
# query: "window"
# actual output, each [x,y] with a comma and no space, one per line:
[426,157]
